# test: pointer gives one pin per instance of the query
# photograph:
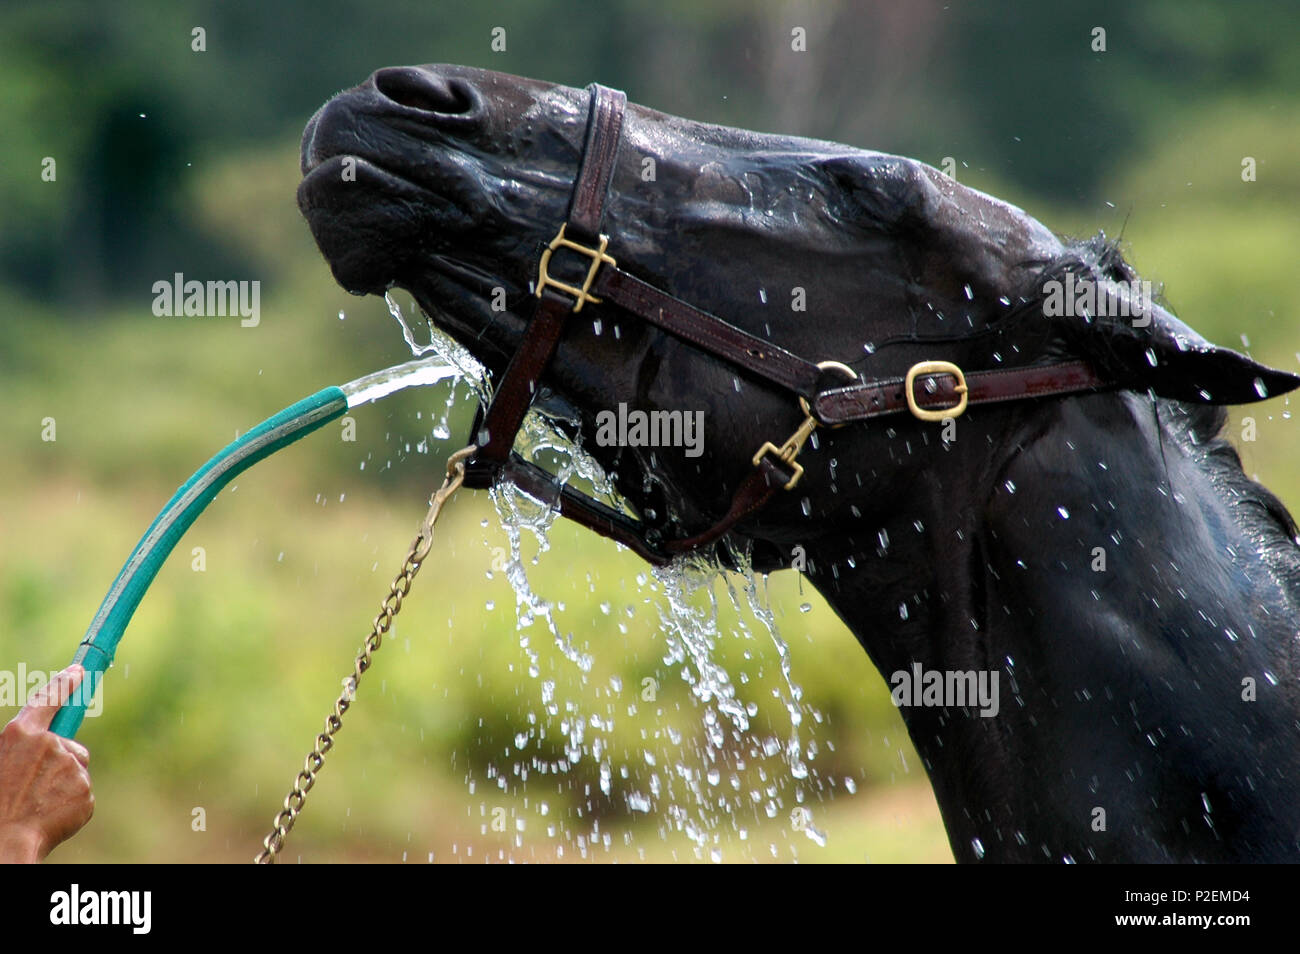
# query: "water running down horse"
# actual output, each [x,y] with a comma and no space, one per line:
[1081,531]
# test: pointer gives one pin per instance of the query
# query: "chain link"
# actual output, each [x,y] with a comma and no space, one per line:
[388,609]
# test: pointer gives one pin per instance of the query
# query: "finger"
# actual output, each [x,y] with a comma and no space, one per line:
[77,751]
[45,702]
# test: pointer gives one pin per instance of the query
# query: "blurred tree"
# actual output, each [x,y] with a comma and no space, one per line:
[1016,88]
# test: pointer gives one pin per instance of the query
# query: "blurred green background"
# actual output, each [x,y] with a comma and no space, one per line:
[171,160]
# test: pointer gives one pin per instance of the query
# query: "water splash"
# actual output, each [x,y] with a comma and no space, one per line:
[707,778]
[441,345]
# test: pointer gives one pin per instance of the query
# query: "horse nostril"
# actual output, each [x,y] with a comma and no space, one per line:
[421,89]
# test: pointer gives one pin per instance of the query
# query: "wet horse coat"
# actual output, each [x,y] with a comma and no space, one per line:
[1157,693]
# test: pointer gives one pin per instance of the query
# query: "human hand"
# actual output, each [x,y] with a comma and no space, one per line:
[45,790]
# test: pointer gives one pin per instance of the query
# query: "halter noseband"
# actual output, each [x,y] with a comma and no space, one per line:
[931,390]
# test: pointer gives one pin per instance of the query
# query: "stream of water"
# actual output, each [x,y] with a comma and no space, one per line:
[380,384]
[712,778]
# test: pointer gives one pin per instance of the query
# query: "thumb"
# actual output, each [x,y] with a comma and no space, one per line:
[45,702]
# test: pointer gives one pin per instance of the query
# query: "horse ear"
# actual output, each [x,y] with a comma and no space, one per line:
[1143,346]
[1176,362]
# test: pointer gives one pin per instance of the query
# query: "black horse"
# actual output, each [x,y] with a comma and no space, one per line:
[1101,554]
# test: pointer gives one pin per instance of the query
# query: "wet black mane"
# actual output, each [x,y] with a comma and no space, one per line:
[1198,430]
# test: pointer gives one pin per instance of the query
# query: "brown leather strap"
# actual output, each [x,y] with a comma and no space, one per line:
[868,399]
[496,436]
[604,133]
[758,487]
[707,331]
[577,506]
[754,492]
[842,405]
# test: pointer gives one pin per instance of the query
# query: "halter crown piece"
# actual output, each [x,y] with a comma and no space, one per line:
[931,391]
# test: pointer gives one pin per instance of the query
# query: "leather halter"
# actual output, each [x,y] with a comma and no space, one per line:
[931,391]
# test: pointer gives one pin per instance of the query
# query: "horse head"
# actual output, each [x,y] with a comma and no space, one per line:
[450,182]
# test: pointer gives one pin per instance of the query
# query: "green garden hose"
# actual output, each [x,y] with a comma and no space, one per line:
[95,653]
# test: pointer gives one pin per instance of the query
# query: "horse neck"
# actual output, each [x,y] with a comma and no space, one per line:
[1144,652]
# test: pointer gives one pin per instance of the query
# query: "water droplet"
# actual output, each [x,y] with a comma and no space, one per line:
[341,315]
[1260,388]
[1151,357]
[1011,487]
[978,847]
[805,607]
[902,611]
[1065,514]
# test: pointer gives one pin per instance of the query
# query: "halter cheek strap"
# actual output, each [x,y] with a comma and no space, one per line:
[932,390]
[586,212]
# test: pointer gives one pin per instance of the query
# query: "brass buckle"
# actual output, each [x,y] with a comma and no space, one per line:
[597,256]
[935,367]
[788,451]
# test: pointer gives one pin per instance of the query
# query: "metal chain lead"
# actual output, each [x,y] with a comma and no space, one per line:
[388,609]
